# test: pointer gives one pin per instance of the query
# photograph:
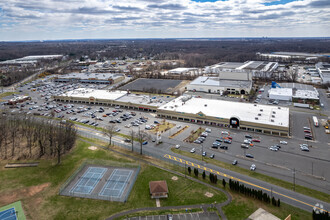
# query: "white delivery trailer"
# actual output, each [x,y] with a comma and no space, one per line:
[315,121]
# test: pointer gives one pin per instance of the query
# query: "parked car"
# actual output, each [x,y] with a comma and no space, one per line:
[177,146]
[283,142]
[273,148]
[204,154]
[145,142]
[224,132]
[253,167]
[224,147]
[212,156]
[244,146]
[227,141]
[308,137]
[256,140]
[234,162]
[249,155]
[192,150]
[248,136]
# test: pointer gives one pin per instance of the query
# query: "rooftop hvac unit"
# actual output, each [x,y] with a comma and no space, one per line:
[271,120]
[279,107]
[175,105]
[274,112]
[255,104]
[259,114]
[273,116]
[256,118]
[261,110]
[205,105]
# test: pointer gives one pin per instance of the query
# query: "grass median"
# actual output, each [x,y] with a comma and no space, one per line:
[300,189]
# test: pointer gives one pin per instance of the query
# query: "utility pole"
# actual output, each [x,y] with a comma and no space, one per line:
[312,167]
[294,179]
[185,162]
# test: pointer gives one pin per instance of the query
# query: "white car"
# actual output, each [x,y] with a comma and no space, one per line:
[253,167]
[192,150]
[272,148]
[177,146]
[247,141]
[224,132]
[283,142]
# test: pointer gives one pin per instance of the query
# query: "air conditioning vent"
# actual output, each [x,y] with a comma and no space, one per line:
[256,118]
[259,114]
[279,107]
[274,112]
[273,116]
[255,104]
[261,110]
[272,120]
[205,105]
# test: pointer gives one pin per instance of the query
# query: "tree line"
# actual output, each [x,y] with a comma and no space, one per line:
[25,137]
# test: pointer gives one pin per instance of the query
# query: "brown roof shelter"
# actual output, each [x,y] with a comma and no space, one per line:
[158,189]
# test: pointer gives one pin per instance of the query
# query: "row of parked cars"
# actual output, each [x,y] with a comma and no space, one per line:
[308,133]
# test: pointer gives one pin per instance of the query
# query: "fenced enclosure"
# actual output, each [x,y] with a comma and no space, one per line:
[103,180]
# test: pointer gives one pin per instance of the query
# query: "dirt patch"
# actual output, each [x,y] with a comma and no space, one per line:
[175,178]
[208,194]
[19,194]
[92,148]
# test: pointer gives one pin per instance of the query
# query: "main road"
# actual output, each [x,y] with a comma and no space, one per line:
[288,196]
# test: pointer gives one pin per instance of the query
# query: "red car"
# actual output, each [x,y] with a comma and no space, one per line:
[229,138]
[307,131]
[256,140]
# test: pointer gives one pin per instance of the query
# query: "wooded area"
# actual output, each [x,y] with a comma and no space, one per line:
[24,137]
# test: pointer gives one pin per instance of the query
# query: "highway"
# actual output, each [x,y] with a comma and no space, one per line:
[285,195]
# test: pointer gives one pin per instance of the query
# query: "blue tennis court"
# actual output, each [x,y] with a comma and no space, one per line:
[116,183]
[89,180]
[9,214]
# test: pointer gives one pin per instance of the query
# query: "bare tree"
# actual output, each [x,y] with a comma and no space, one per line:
[110,132]
[141,136]
[131,137]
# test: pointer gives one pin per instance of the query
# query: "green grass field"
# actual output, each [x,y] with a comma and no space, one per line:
[301,189]
[38,188]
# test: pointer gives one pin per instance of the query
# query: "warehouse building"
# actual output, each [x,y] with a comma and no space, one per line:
[324,71]
[219,86]
[257,69]
[244,116]
[97,78]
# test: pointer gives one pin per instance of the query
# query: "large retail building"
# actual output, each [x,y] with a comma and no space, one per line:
[267,119]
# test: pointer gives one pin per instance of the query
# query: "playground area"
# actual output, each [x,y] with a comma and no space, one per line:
[101,182]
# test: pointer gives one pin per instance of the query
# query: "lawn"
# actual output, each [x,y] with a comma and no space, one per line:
[241,208]
[38,188]
[162,127]
[5,94]
[300,189]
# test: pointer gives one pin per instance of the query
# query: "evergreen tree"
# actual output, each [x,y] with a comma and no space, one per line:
[189,170]
[204,175]
[224,183]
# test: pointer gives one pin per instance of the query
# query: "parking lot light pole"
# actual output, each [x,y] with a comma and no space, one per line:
[202,151]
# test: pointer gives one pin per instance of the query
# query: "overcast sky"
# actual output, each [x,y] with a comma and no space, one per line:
[85,19]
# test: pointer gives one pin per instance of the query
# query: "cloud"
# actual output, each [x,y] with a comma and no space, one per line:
[163,17]
[167,6]
[320,3]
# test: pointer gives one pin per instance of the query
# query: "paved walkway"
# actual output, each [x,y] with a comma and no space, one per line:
[218,206]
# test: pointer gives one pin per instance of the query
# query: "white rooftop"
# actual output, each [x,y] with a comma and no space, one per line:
[86,76]
[225,109]
[97,94]
[182,70]
[280,91]
[306,94]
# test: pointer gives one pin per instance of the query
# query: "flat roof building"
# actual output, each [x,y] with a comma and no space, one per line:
[218,85]
[245,116]
[324,71]
[99,78]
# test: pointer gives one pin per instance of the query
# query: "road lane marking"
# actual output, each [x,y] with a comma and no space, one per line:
[174,158]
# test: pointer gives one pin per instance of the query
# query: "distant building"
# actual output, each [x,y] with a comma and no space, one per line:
[158,189]
[219,86]
[324,71]
[97,78]
[184,71]
[256,69]
[284,94]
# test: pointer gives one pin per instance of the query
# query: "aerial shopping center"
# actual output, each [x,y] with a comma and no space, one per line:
[267,119]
